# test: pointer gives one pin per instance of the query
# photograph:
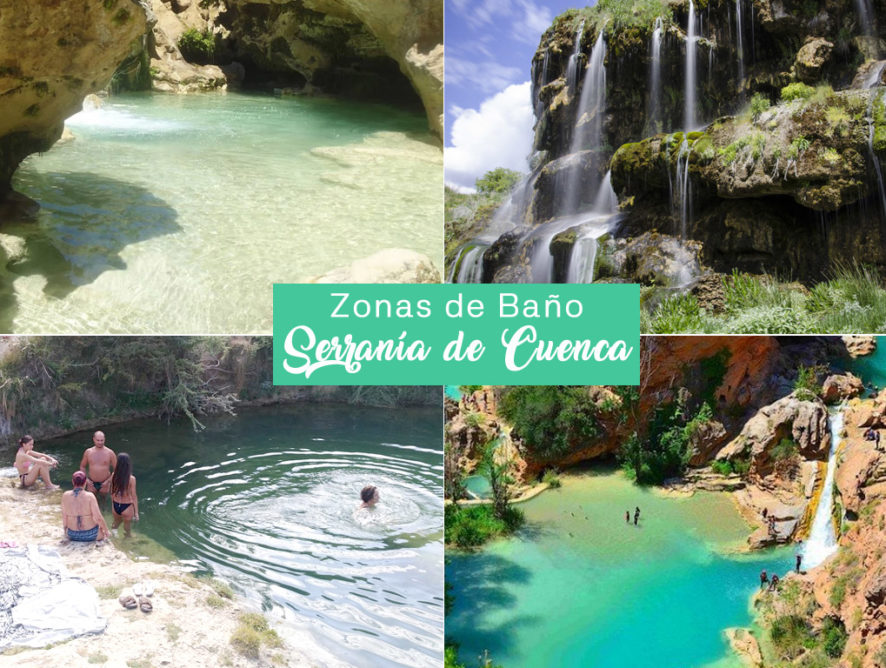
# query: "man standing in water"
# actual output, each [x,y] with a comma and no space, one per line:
[101,461]
[636,515]
[628,516]
[799,560]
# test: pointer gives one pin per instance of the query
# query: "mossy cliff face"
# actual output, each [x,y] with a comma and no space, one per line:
[355,46]
[781,191]
[782,41]
[53,54]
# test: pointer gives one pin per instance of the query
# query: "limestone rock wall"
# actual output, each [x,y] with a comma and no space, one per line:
[52,54]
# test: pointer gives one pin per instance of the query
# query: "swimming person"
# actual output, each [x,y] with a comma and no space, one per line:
[32,464]
[82,520]
[123,497]
[369,496]
[100,461]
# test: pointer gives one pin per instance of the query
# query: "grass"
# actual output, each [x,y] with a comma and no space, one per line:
[552,479]
[173,631]
[98,657]
[138,663]
[219,587]
[216,602]
[852,301]
[252,634]
[108,592]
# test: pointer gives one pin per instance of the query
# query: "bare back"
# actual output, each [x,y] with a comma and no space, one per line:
[81,505]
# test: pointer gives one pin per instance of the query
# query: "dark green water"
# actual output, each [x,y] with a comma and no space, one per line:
[580,587]
[267,501]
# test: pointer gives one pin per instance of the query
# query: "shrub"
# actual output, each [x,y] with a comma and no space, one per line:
[805,385]
[833,637]
[759,104]
[497,181]
[552,479]
[475,419]
[790,635]
[785,449]
[197,46]
[796,91]
[722,468]
[471,526]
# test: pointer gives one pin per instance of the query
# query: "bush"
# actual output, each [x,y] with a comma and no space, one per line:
[497,181]
[833,637]
[472,526]
[552,479]
[785,449]
[550,419]
[805,385]
[790,635]
[475,419]
[197,46]
[796,91]
[759,104]
[722,468]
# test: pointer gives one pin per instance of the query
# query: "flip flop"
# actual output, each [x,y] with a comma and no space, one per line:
[138,589]
[148,588]
[128,601]
[144,604]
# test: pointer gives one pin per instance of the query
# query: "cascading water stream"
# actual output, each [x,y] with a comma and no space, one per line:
[654,106]
[572,65]
[822,541]
[691,43]
[873,156]
[739,46]
[867,24]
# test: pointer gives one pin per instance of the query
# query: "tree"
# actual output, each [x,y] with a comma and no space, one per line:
[498,474]
[453,480]
[497,181]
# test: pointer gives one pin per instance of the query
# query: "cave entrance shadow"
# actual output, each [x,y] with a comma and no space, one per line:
[84,223]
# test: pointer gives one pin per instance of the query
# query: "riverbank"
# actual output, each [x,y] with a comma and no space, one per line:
[192,622]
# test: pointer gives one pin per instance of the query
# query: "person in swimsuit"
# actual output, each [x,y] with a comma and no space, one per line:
[82,520]
[32,464]
[98,461]
[369,496]
[123,496]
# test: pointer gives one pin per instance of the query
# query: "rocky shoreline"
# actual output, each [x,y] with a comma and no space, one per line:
[191,623]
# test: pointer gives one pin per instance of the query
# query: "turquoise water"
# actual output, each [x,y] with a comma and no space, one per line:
[479,486]
[174,214]
[872,368]
[452,392]
[267,501]
[580,587]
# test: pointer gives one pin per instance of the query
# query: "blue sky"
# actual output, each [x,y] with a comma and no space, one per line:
[489,48]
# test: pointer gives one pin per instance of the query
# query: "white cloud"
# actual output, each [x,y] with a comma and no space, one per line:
[499,134]
[536,19]
[486,77]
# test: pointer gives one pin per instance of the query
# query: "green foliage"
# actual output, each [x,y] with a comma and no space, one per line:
[621,14]
[472,526]
[550,418]
[722,467]
[806,386]
[252,633]
[852,300]
[713,371]
[468,390]
[785,449]
[450,657]
[198,46]
[475,419]
[498,474]
[796,91]
[834,637]
[551,479]
[664,451]
[497,181]
[759,104]
[453,479]
[798,145]
[790,635]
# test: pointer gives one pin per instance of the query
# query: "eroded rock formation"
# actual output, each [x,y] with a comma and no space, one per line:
[52,54]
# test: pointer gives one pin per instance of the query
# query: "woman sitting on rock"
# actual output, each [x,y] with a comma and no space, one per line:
[81,518]
[32,464]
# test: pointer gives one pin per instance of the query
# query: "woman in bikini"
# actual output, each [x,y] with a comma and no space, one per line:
[32,464]
[123,496]
[81,518]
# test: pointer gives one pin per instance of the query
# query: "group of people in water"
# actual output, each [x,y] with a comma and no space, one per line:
[102,473]
[636,516]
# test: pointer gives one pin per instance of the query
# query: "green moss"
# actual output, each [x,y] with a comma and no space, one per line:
[33,110]
[121,17]
[252,633]
[109,4]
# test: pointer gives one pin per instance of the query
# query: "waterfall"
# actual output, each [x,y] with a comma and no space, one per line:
[584,250]
[654,106]
[740,46]
[822,541]
[469,264]
[680,198]
[587,132]
[867,24]
[539,81]
[691,43]
[572,65]
[873,156]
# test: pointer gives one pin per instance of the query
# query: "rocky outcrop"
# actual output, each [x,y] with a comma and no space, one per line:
[860,346]
[52,54]
[839,387]
[355,46]
[802,423]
